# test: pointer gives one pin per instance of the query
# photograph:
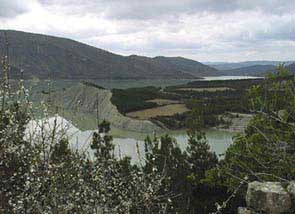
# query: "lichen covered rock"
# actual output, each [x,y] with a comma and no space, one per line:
[245,210]
[291,189]
[269,197]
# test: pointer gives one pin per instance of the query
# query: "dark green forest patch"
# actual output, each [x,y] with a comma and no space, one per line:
[211,102]
[134,99]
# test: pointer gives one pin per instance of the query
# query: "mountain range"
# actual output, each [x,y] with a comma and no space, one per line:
[45,57]
[256,70]
[253,70]
[225,66]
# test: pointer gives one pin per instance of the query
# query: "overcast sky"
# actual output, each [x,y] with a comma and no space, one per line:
[204,30]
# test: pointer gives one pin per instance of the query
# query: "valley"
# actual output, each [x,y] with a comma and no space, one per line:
[143,111]
[149,109]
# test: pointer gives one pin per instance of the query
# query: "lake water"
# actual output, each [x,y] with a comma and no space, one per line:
[219,141]
[229,78]
[123,84]
[80,140]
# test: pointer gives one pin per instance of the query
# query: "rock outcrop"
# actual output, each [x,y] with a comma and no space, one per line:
[270,198]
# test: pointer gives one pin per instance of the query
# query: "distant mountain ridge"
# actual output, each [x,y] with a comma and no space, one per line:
[223,66]
[254,70]
[46,57]
[250,68]
[187,65]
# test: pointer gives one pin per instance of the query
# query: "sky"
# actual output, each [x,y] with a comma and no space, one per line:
[203,30]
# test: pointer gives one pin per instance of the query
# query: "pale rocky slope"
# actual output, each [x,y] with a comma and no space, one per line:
[84,100]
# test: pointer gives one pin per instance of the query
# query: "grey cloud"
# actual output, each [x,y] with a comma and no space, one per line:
[199,29]
[175,45]
[12,8]
[282,31]
[137,9]
[153,9]
[279,29]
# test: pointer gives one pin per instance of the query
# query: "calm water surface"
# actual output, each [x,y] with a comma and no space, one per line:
[219,141]
[229,78]
[123,84]
[124,145]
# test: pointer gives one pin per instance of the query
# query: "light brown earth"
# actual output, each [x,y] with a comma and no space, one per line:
[162,102]
[167,110]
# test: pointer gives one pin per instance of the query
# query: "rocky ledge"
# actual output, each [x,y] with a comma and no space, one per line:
[269,198]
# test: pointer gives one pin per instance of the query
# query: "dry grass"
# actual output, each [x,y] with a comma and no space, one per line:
[167,110]
[206,89]
[162,102]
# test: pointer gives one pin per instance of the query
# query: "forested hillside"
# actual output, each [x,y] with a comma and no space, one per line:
[254,70]
[188,66]
[225,66]
[51,57]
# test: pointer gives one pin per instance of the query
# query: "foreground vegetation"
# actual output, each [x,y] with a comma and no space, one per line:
[40,174]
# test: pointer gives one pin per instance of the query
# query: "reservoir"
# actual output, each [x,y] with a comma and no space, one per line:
[218,140]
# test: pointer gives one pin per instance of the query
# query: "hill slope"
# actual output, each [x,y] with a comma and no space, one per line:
[46,56]
[255,70]
[187,65]
[80,103]
[223,66]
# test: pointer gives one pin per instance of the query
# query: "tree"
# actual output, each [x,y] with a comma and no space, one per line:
[201,195]
[164,155]
[266,151]
[102,142]
[185,170]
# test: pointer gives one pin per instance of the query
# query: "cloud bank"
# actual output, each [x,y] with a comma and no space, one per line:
[204,30]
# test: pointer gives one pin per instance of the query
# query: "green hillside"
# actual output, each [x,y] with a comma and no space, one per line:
[59,58]
[254,70]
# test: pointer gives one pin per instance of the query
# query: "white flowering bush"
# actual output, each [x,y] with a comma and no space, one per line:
[41,174]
